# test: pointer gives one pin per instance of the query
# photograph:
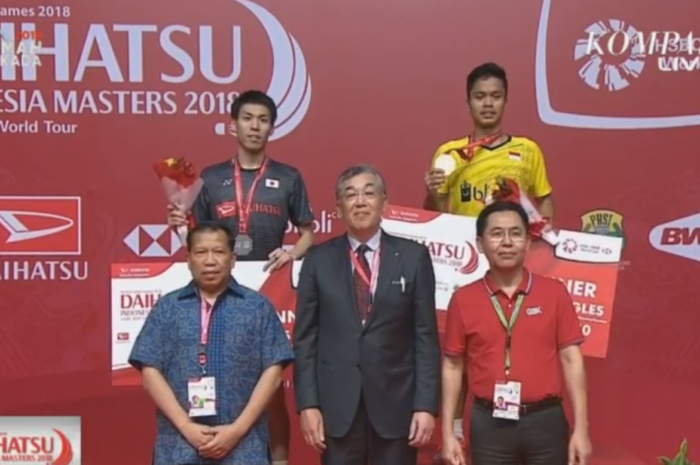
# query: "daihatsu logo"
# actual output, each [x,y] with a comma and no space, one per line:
[19,232]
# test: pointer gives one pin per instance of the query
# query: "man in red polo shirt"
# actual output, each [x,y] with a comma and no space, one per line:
[516,332]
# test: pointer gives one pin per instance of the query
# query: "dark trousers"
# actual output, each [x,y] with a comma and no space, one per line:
[363,446]
[538,438]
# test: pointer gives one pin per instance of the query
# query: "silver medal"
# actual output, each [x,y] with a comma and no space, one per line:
[243,245]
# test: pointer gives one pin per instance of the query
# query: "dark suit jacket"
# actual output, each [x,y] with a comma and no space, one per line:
[394,360]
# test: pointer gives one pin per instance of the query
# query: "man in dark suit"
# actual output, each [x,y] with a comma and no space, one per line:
[366,341]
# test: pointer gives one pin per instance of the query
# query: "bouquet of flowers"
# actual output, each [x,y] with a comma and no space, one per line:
[181,185]
[508,190]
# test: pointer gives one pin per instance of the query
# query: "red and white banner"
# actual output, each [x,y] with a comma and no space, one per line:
[452,244]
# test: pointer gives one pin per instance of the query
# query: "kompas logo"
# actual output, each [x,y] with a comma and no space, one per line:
[590,113]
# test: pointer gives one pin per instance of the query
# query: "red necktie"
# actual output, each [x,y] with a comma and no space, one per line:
[362,289]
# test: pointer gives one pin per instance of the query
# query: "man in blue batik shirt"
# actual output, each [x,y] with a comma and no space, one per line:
[219,343]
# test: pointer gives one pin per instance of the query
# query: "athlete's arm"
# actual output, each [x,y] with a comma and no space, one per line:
[437,186]
[302,217]
[436,202]
[541,189]
[546,206]
[304,243]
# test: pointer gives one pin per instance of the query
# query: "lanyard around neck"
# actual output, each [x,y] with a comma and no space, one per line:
[508,324]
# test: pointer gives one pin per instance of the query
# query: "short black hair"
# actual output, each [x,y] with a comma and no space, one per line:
[209,226]
[254,97]
[485,71]
[499,207]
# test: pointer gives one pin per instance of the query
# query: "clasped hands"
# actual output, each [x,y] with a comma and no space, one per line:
[212,442]
[420,433]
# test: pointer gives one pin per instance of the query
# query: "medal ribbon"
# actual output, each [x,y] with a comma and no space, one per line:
[244,207]
[371,280]
[468,151]
[507,324]
[206,311]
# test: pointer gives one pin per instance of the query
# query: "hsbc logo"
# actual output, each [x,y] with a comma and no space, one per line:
[40,225]
[153,241]
[679,237]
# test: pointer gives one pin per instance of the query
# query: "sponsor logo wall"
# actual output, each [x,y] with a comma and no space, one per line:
[107,88]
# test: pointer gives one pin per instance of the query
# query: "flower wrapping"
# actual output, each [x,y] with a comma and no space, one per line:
[507,190]
[181,185]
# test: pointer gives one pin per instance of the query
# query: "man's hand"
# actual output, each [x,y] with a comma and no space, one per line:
[176,217]
[422,426]
[197,435]
[434,179]
[277,259]
[224,440]
[579,448]
[452,452]
[312,429]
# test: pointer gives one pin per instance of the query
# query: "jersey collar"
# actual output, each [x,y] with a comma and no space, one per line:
[524,288]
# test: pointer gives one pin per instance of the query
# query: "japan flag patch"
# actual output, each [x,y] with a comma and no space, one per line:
[272,183]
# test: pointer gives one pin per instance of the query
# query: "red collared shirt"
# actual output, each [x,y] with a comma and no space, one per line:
[546,324]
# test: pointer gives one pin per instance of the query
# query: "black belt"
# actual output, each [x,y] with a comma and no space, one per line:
[525,409]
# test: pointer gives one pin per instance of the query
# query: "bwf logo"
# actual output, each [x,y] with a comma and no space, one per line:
[618,52]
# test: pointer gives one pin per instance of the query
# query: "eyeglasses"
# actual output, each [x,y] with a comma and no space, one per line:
[500,236]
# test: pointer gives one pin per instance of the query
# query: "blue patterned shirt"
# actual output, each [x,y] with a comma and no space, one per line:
[245,338]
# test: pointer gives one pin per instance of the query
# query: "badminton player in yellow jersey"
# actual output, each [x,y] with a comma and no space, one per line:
[464,171]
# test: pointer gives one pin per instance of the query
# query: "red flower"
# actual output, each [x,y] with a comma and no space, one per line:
[180,171]
[537,228]
[181,185]
[506,190]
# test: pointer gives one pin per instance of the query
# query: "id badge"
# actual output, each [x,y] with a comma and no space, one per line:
[506,400]
[201,393]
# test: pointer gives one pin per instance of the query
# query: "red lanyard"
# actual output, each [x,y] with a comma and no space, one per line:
[468,151]
[244,208]
[206,311]
[371,281]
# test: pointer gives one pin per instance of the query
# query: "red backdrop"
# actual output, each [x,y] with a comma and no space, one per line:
[384,83]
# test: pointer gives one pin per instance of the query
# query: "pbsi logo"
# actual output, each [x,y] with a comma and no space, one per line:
[602,222]
[679,237]
[40,226]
